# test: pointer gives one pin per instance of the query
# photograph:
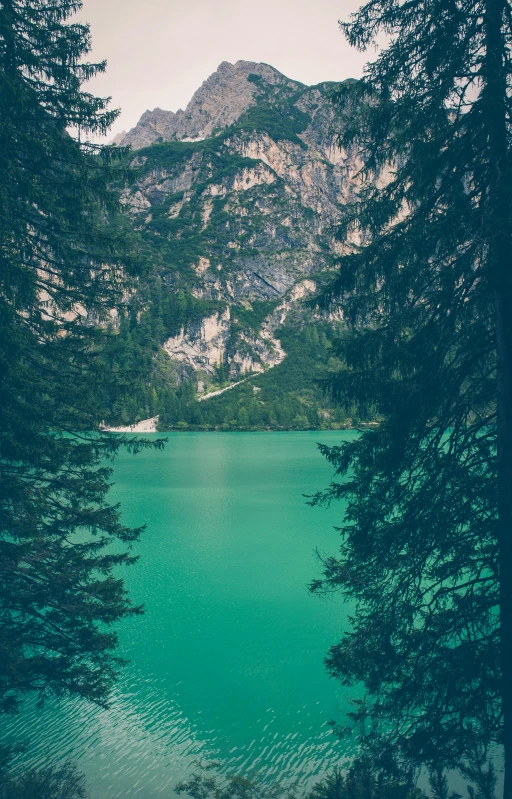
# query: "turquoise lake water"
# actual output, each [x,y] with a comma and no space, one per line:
[226,665]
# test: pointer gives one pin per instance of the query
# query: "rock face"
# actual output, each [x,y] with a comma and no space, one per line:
[239,196]
[203,345]
[220,101]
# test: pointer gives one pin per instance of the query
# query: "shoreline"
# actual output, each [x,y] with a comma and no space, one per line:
[151,426]
[144,426]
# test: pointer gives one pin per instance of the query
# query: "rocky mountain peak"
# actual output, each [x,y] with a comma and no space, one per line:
[118,138]
[218,103]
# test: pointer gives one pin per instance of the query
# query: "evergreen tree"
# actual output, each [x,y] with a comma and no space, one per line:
[67,260]
[61,782]
[362,779]
[427,287]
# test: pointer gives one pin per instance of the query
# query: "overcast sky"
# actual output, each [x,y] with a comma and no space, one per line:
[160,51]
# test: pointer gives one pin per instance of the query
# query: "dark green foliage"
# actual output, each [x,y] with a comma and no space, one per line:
[132,353]
[365,780]
[275,113]
[287,397]
[281,123]
[166,155]
[251,318]
[426,539]
[171,154]
[362,779]
[63,782]
[67,259]
[235,787]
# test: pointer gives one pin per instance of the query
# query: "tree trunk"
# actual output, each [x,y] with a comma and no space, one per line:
[504,348]
[500,273]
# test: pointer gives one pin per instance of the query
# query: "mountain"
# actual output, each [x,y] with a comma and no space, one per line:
[236,200]
[221,101]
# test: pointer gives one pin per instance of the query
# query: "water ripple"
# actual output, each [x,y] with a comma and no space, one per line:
[226,665]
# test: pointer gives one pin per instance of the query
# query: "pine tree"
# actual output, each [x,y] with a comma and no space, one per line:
[426,285]
[66,261]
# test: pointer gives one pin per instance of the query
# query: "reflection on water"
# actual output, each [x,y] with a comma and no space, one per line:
[226,665]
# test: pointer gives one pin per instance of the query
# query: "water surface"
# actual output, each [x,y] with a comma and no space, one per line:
[226,664]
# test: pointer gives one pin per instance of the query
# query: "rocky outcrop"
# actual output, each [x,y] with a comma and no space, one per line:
[201,346]
[205,346]
[221,101]
[118,138]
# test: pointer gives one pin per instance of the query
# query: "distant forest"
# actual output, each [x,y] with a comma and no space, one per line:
[290,396]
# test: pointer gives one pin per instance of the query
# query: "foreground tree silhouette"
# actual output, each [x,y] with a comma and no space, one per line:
[66,261]
[57,782]
[427,538]
[362,779]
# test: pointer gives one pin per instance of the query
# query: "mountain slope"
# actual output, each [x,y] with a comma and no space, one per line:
[216,105]
[236,199]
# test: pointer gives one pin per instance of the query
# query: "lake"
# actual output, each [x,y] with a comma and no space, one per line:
[226,665]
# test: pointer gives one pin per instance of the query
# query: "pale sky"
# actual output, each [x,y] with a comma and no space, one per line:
[160,51]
